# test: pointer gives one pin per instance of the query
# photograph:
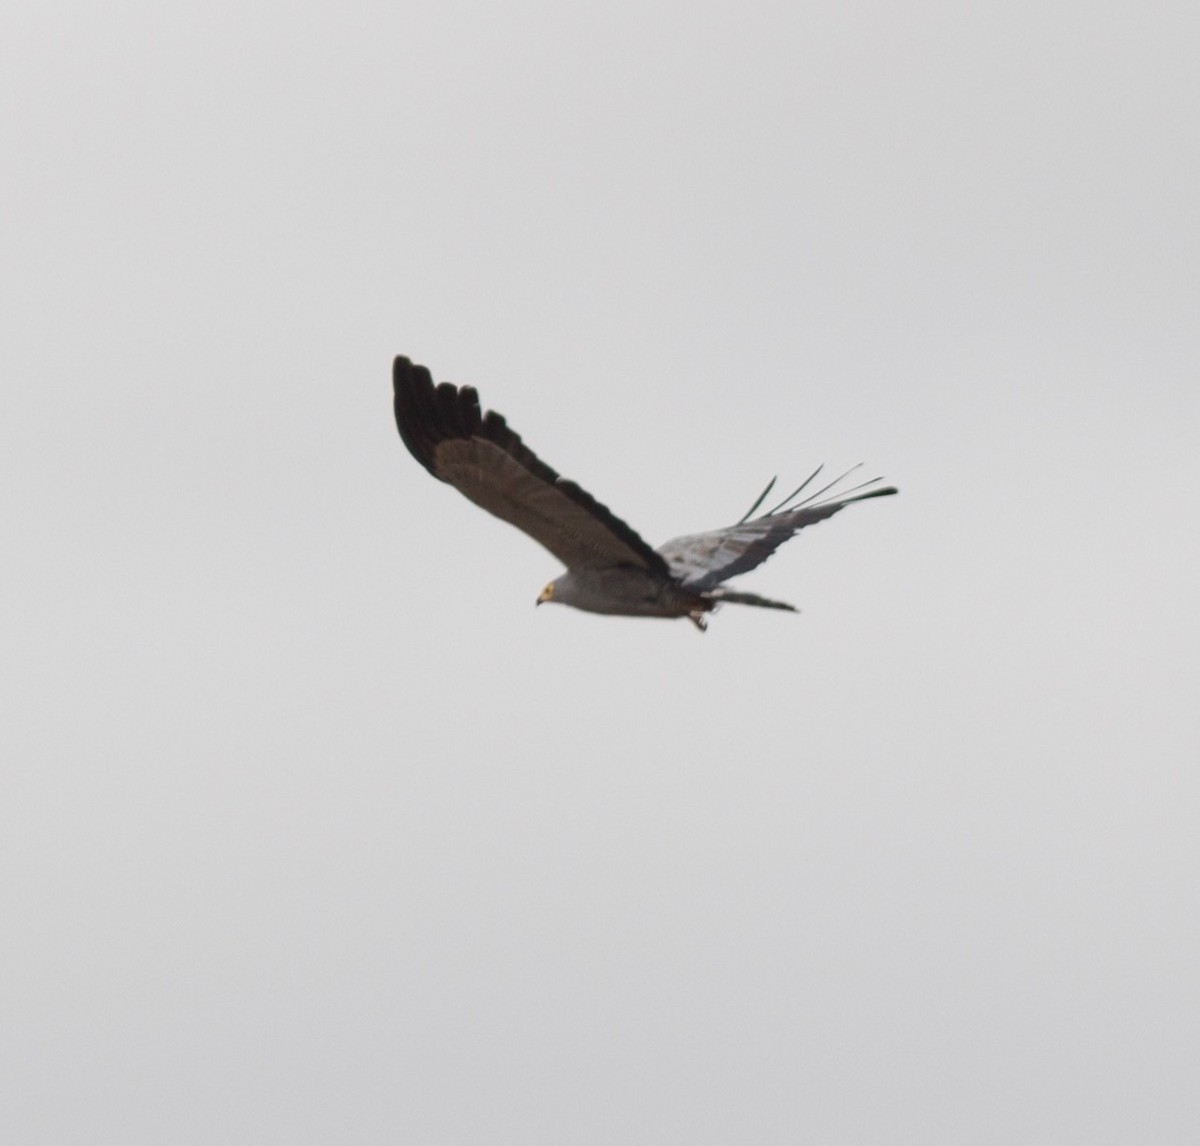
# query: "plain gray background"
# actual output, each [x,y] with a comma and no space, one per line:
[314,831]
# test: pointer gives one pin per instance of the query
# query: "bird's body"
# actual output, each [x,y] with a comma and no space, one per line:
[610,568]
[624,590]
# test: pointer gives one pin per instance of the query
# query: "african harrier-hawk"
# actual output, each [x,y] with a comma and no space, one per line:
[610,569]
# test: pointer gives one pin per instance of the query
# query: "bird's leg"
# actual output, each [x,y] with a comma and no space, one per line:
[696,616]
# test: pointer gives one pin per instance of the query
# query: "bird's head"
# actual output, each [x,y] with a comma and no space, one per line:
[547,594]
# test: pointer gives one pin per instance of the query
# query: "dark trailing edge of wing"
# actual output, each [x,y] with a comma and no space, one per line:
[427,415]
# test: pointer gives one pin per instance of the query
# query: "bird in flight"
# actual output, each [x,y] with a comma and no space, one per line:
[610,569]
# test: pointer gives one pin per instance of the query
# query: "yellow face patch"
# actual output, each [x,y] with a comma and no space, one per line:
[547,594]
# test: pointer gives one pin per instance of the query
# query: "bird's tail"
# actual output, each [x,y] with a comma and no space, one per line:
[733,597]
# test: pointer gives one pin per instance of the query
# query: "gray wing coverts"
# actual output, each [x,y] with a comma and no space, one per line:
[703,560]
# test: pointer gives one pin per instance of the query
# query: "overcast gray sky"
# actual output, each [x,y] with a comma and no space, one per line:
[314,831]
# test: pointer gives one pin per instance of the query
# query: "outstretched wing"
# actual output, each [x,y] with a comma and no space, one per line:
[486,461]
[703,560]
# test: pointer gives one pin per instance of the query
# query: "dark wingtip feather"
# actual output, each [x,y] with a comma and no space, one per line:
[799,490]
[414,406]
[760,499]
[887,491]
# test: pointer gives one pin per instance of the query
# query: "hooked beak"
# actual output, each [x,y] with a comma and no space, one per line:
[547,594]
